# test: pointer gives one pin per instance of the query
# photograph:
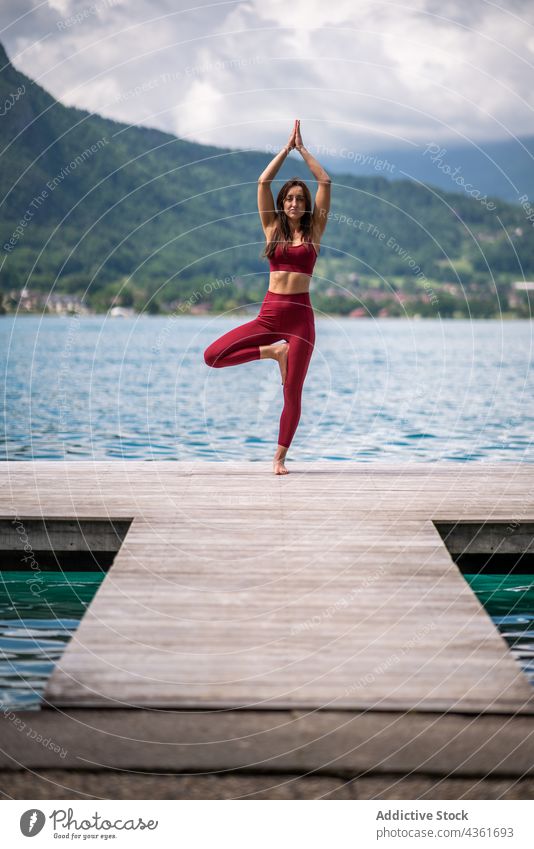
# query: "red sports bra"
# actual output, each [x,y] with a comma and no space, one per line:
[300,258]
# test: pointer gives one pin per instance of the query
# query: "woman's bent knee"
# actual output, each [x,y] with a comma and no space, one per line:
[210,357]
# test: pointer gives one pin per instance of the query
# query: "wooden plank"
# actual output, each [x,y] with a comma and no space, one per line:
[329,588]
[344,742]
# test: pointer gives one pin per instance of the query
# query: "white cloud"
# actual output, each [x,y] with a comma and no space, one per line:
[62,6]
[202,110]
[364,74]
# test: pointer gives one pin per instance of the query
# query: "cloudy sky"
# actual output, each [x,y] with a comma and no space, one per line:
[358,73]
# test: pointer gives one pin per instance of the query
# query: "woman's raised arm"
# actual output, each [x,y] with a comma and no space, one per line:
[315,167]
[274,166]
[322,197]
[266,207]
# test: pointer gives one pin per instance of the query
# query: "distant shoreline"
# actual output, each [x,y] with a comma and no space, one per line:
[244,314]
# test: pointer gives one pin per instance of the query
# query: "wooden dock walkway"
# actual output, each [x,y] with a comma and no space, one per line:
[328,589]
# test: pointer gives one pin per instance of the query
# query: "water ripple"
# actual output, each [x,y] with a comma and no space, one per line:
[393,391]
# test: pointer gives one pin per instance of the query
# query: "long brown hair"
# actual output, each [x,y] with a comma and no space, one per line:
[281,233]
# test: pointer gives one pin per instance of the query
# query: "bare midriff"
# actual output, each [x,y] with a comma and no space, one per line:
[289,282]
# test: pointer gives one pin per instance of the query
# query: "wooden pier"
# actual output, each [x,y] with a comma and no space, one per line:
[240,604]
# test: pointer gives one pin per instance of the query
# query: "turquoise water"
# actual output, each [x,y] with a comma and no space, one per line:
[509,600]
[377,390]
[34,629]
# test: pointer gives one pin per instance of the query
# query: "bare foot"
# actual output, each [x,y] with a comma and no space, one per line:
[278,351]
[279,461]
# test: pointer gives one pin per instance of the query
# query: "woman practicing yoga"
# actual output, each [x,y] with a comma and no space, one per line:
[293,233]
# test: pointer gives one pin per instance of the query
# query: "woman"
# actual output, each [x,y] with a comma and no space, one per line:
[293,233]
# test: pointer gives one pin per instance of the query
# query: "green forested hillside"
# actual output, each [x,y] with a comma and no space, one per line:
[88,202]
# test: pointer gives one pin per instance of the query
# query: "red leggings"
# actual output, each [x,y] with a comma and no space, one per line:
[288,317]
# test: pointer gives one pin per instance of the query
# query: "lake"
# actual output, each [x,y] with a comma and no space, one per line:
[392,390]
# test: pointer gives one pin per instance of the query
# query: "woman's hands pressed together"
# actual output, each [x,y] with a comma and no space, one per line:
[291,143]
[295,139]
[298,137]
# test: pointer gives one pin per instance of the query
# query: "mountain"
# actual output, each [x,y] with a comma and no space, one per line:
[88,202]
[501,169]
